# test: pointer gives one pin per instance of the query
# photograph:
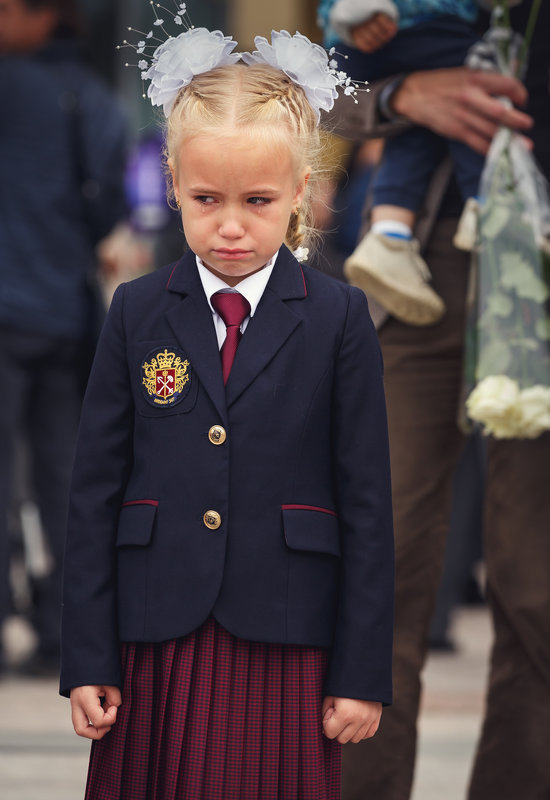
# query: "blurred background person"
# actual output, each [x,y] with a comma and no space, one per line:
[62,153]
[423,378]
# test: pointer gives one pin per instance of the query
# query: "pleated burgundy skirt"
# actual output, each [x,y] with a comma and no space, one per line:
[213,717]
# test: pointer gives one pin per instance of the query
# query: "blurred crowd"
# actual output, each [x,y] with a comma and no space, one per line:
[83,207]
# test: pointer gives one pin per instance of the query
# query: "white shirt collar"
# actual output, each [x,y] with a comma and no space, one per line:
[252,287]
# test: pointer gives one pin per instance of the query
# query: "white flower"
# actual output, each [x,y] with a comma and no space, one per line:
[177,60]
[494,403]
[507,412]
[535,410]
[305,63]
[301,253]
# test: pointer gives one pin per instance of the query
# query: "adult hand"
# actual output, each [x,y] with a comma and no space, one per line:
[349,720]
[462,104]
[91,717]
[373,34]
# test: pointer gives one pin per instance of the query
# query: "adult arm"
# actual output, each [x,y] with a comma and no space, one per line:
[462,104]
[457,103]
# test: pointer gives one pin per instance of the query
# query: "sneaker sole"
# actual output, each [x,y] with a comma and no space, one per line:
[404,307]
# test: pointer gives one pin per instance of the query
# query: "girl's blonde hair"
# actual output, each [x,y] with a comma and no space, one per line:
[257,100]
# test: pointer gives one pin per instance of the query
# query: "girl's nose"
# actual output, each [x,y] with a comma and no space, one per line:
[231,226]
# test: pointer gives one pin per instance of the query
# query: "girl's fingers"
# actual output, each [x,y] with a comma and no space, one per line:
[90,719]
[113,696]
[372,729]
[350,720]
[361,733]
[346,735]
[85,727]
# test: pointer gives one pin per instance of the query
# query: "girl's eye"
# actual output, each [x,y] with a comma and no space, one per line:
[259,201]
[205,199]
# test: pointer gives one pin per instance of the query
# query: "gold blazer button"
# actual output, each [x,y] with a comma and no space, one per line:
[212,520]
[217,434]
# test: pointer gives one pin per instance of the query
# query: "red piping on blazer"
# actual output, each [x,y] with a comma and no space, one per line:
[304,280]
[297,507]
[170,278]
[140,503]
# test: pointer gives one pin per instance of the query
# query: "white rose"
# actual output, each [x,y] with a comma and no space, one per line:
[534,404]
[495,404]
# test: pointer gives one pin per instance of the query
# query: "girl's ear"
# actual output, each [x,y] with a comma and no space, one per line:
[170,163]
[301,186]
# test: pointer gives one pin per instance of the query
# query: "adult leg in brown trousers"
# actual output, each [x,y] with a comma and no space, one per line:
[512,761]
[423,369]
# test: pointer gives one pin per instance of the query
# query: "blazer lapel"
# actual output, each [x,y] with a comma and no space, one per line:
[271,325]
[191,321]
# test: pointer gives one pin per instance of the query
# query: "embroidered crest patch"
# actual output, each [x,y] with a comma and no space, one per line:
[166,378]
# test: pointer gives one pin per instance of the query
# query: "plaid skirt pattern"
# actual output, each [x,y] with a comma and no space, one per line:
[213,717]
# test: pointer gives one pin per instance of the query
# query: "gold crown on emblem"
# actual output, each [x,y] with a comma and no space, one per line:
[165,360]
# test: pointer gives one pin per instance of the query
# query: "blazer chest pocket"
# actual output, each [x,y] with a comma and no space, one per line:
[136,523]
[165,382]
[311,529]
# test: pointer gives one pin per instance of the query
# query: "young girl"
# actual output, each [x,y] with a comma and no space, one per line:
[228,598]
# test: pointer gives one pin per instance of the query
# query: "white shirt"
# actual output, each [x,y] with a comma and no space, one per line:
[252,288]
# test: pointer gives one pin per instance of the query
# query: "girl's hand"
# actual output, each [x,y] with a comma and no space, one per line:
[91,717]
[349,720]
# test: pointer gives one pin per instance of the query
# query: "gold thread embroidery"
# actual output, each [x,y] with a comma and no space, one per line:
[165,377]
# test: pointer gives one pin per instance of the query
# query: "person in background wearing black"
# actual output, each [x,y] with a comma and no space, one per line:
[62,153]
[423,372]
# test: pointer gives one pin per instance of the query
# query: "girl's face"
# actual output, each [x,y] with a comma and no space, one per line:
[236,196]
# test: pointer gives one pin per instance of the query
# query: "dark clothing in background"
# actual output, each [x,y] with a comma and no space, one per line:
[62,157]
[423,373]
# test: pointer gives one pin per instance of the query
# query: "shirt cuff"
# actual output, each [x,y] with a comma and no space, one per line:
[384,99]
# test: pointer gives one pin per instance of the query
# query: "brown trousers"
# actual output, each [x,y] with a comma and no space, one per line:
[423,370]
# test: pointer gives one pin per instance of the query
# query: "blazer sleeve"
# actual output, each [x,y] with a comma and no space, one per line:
[362,119]
[360,664]
[90,649]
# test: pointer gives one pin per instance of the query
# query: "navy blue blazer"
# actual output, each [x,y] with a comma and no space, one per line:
[278,521]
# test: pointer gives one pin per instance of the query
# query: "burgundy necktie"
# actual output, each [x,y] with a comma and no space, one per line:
[233,308]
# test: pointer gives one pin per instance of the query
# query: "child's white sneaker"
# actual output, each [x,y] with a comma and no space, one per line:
[466,233]
[392,271]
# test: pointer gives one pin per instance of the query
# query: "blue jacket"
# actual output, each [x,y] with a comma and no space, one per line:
[62,160]
[303,553]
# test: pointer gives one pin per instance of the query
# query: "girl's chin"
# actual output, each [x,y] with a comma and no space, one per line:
[232,272]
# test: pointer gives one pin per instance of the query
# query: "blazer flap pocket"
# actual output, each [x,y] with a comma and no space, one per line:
[135,524]
[311,528]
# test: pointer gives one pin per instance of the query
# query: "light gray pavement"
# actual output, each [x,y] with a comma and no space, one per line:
[41,759]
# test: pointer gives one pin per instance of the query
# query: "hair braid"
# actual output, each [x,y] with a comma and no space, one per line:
[295,234]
